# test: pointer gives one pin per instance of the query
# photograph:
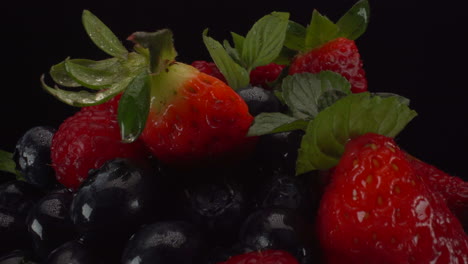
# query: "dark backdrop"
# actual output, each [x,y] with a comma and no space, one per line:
[413,48]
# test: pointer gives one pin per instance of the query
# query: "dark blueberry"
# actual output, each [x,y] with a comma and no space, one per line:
[221,254]
[283,191]
[115,200]
[6,177]
[19,196]
[218,208]
[13,231]
[278,152]
[32,156]
[259,100]
[17,257]
[278,228]
[73,252]
[165,243]
[49,223]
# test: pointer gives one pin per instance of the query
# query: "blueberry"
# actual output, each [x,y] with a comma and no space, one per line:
[278,228]
[283,191]
[32,156]
[6,176]
[114,201]
[173,242]
[73,252]
[17,257]
[221,254]
[259,100]
[218,208]
[13,231]
[49,223]
[19,196]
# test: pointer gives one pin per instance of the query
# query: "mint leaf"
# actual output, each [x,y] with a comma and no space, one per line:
[267,123]
[102,36]
[94,74]
[307,94]
[238,42]
[265,39]
[7,163]
[160,45]
[354,115]
[295,36]
[134,107]
[354,23]
[236,76]
[233,52]
[320,31]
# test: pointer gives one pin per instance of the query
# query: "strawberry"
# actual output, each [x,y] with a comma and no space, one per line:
[86,140]
[377,209]
[262,257]
[339,55]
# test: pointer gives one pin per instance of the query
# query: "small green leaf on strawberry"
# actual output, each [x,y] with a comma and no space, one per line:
[351,116]
[134,107]
[354,23]
[59,75]
[320,31]
[102,36]
[236,76]
[265,39]
[94,74]
[268,123]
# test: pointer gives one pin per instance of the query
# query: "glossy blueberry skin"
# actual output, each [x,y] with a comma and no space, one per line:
[174,242]
[218,208]
[283,191]
[32,156]
[73,252]
[278,228]
[13,231]
[259,100]
[16,257]
[19,196]
[49,223]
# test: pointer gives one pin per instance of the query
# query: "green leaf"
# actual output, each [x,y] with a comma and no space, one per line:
[59,74]
[238,42]
[232,52]
[134,107]
[160,45]
[102,36]
[7,163]
[354,115]
[94,74]
[236,76]
[354,23]
[320,31]
[295,36]
[285,57]
[307,94]
[267,123]
[264,40]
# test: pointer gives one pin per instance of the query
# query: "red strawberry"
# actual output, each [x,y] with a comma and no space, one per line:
[86,140]
[378,210]
[209,68]
[195,117]
[263,257]
[339,55]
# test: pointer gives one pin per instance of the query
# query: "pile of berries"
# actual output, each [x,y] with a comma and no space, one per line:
[274,152]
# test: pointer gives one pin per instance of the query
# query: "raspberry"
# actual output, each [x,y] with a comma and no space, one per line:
[209,68]
[263,75]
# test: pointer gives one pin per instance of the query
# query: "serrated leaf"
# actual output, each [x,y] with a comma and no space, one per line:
[354,22]
[265,39]
[320,31]
[59,74]
[7,163]
[295,36]
[307,94]
[236,76]
[160,45]
[134,107]
[102,36]
[267,123]
[354,115]
[94,74]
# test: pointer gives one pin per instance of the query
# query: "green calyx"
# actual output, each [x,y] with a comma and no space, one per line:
[86,82]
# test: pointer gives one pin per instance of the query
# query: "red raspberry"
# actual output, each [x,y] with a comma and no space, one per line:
[263,257]
[263,75]
[85,141]
[340,55]
[209,68]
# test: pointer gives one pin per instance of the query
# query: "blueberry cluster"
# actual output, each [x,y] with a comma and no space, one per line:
[141,211]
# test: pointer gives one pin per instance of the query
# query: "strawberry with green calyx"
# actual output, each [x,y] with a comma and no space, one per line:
[259,48]
[183,115]
[324,45]
[378,209]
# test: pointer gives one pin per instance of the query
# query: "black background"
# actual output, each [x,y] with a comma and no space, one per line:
[413,48]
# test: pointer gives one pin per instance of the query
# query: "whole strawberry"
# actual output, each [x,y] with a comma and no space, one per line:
[378,209]
[86,140]
[262,257]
